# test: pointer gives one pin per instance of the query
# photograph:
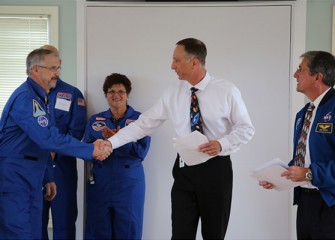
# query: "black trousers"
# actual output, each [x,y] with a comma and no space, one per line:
[315,220]
[203,192]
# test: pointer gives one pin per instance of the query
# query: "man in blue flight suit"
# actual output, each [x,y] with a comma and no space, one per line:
[314,162]
[26,140]
[68,114]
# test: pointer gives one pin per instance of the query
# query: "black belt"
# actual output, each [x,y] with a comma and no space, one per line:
[310,190]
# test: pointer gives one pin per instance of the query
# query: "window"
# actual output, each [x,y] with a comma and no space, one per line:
[22,29]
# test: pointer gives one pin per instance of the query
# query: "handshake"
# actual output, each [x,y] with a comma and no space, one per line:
[103,148]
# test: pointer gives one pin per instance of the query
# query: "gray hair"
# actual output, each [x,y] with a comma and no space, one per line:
[321,62]
[36,57]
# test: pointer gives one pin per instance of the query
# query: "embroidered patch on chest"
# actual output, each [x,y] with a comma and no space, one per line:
[100,119]
[324,128]
[297,123]
[37,109]
[98,125]
[42,121]
[67,96]
[327,117]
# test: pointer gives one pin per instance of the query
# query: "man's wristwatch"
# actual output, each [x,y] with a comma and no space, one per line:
[309,175]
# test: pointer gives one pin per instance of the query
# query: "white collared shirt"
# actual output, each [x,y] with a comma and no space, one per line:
[225,117]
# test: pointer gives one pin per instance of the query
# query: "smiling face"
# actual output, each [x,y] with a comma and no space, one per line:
[117,96]
[182,63]
[47,73]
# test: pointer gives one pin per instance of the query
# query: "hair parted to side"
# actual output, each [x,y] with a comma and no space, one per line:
[36,57]
[321,62]
[116,78]
[196,48]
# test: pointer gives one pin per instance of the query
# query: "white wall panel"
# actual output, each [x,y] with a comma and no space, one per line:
[249,45]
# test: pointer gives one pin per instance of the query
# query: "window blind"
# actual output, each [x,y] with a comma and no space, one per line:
[19,35]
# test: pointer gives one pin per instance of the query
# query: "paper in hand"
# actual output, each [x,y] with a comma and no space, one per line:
[271,172]
[187,147]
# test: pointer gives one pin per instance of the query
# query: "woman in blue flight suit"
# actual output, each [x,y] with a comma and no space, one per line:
[116,188]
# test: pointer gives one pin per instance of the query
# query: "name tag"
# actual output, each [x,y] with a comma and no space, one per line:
[63,104]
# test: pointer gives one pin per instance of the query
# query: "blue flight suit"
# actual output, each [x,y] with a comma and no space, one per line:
[115,195]
[321,147]
[68,114]
[26,139]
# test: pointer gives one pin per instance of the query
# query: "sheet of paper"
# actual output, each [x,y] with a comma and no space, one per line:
[271,172]
[187,147]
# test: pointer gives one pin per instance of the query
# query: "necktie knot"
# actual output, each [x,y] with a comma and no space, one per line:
[311,107]
[193,89]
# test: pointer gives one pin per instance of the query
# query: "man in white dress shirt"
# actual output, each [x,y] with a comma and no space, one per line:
[201,191]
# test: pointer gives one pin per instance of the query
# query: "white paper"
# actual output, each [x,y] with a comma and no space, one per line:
[187,147]
[271,172]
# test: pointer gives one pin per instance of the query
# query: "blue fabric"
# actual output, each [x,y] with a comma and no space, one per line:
[70,121]
[26,139]
[115,203]
[321,146]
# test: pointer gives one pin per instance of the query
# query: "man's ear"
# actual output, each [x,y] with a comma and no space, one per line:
[318,76]
[195,62]
[34,70]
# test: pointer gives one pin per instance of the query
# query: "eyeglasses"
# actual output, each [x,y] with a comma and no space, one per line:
[52,69]
[113,92]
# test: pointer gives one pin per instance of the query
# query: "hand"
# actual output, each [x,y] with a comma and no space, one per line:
[102,149]
[265,184]
[212,148]
[295,173]
[53,155]
[50,191]
[107,132]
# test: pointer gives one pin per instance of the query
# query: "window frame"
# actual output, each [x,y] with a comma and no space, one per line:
[50,11]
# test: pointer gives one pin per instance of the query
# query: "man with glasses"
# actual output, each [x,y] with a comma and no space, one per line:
[313,161]
[27,137]
[68,113]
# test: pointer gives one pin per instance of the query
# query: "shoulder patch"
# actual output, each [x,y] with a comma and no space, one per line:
[37,109]
[81,102]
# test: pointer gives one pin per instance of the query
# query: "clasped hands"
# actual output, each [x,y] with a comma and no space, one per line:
[103,148]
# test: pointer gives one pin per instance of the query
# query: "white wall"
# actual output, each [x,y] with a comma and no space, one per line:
[248,44]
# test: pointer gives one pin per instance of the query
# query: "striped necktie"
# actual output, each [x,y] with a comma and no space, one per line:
[299,159]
